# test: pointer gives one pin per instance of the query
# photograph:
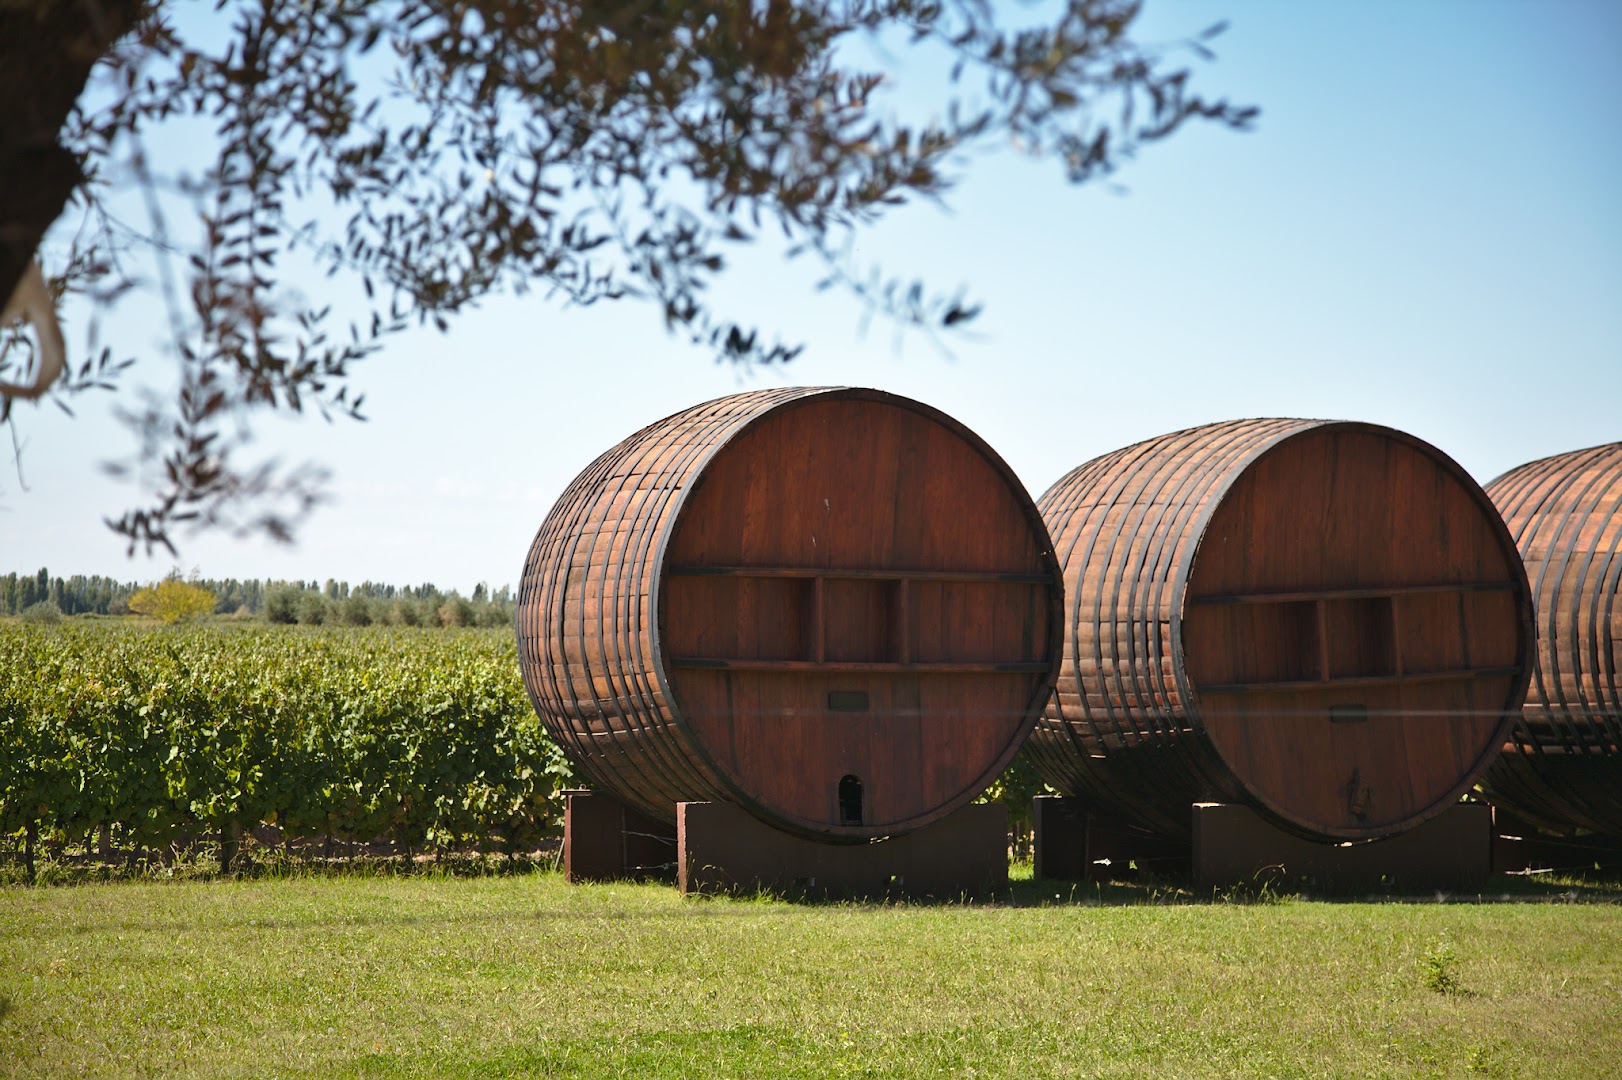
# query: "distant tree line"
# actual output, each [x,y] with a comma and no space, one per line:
[307,602]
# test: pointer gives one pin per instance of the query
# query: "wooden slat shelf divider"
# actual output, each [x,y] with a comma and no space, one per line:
[819,624]
[807,573]
[1373,592]
[966,667]
[1351,681]
[1588,750]
[903,621]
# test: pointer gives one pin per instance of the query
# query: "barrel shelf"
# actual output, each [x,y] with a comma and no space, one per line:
[879,667]
[1353,636]
[888,595]
[1370,593]
[1583,748]
[1368,681]
[804,573]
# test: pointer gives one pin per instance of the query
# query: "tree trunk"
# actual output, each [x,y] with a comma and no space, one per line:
[230,841]
[30,842]
[47,48]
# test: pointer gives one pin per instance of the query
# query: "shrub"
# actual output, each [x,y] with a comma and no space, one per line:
[281,604]
[1016,787]
[492,614]
[44,613]
[173,601]
[355,611]
[404,613]
[456,610]
[312,609]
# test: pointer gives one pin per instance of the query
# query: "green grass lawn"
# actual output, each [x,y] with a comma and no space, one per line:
[523,975]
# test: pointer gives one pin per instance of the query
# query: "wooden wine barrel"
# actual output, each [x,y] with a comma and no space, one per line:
[837,608]
[1562,765]
[1324,620]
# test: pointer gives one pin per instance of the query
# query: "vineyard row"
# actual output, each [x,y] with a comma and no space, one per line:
[422,738]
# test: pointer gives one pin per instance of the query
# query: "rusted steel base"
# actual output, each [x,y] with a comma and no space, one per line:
[605,840]
[1073,842]
[722,849]
[1234,846]
[1519,846]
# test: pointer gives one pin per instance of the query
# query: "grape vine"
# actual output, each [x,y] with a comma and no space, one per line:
[426,739]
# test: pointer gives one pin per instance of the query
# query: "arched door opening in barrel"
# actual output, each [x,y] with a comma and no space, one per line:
[850,800]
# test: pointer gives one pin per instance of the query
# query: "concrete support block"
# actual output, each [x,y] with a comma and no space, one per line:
[606,840]
[1073,842]
[1452,852]
[1519,845]
[721,848]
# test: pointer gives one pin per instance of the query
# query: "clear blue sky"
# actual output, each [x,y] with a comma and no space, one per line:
[1424,231]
